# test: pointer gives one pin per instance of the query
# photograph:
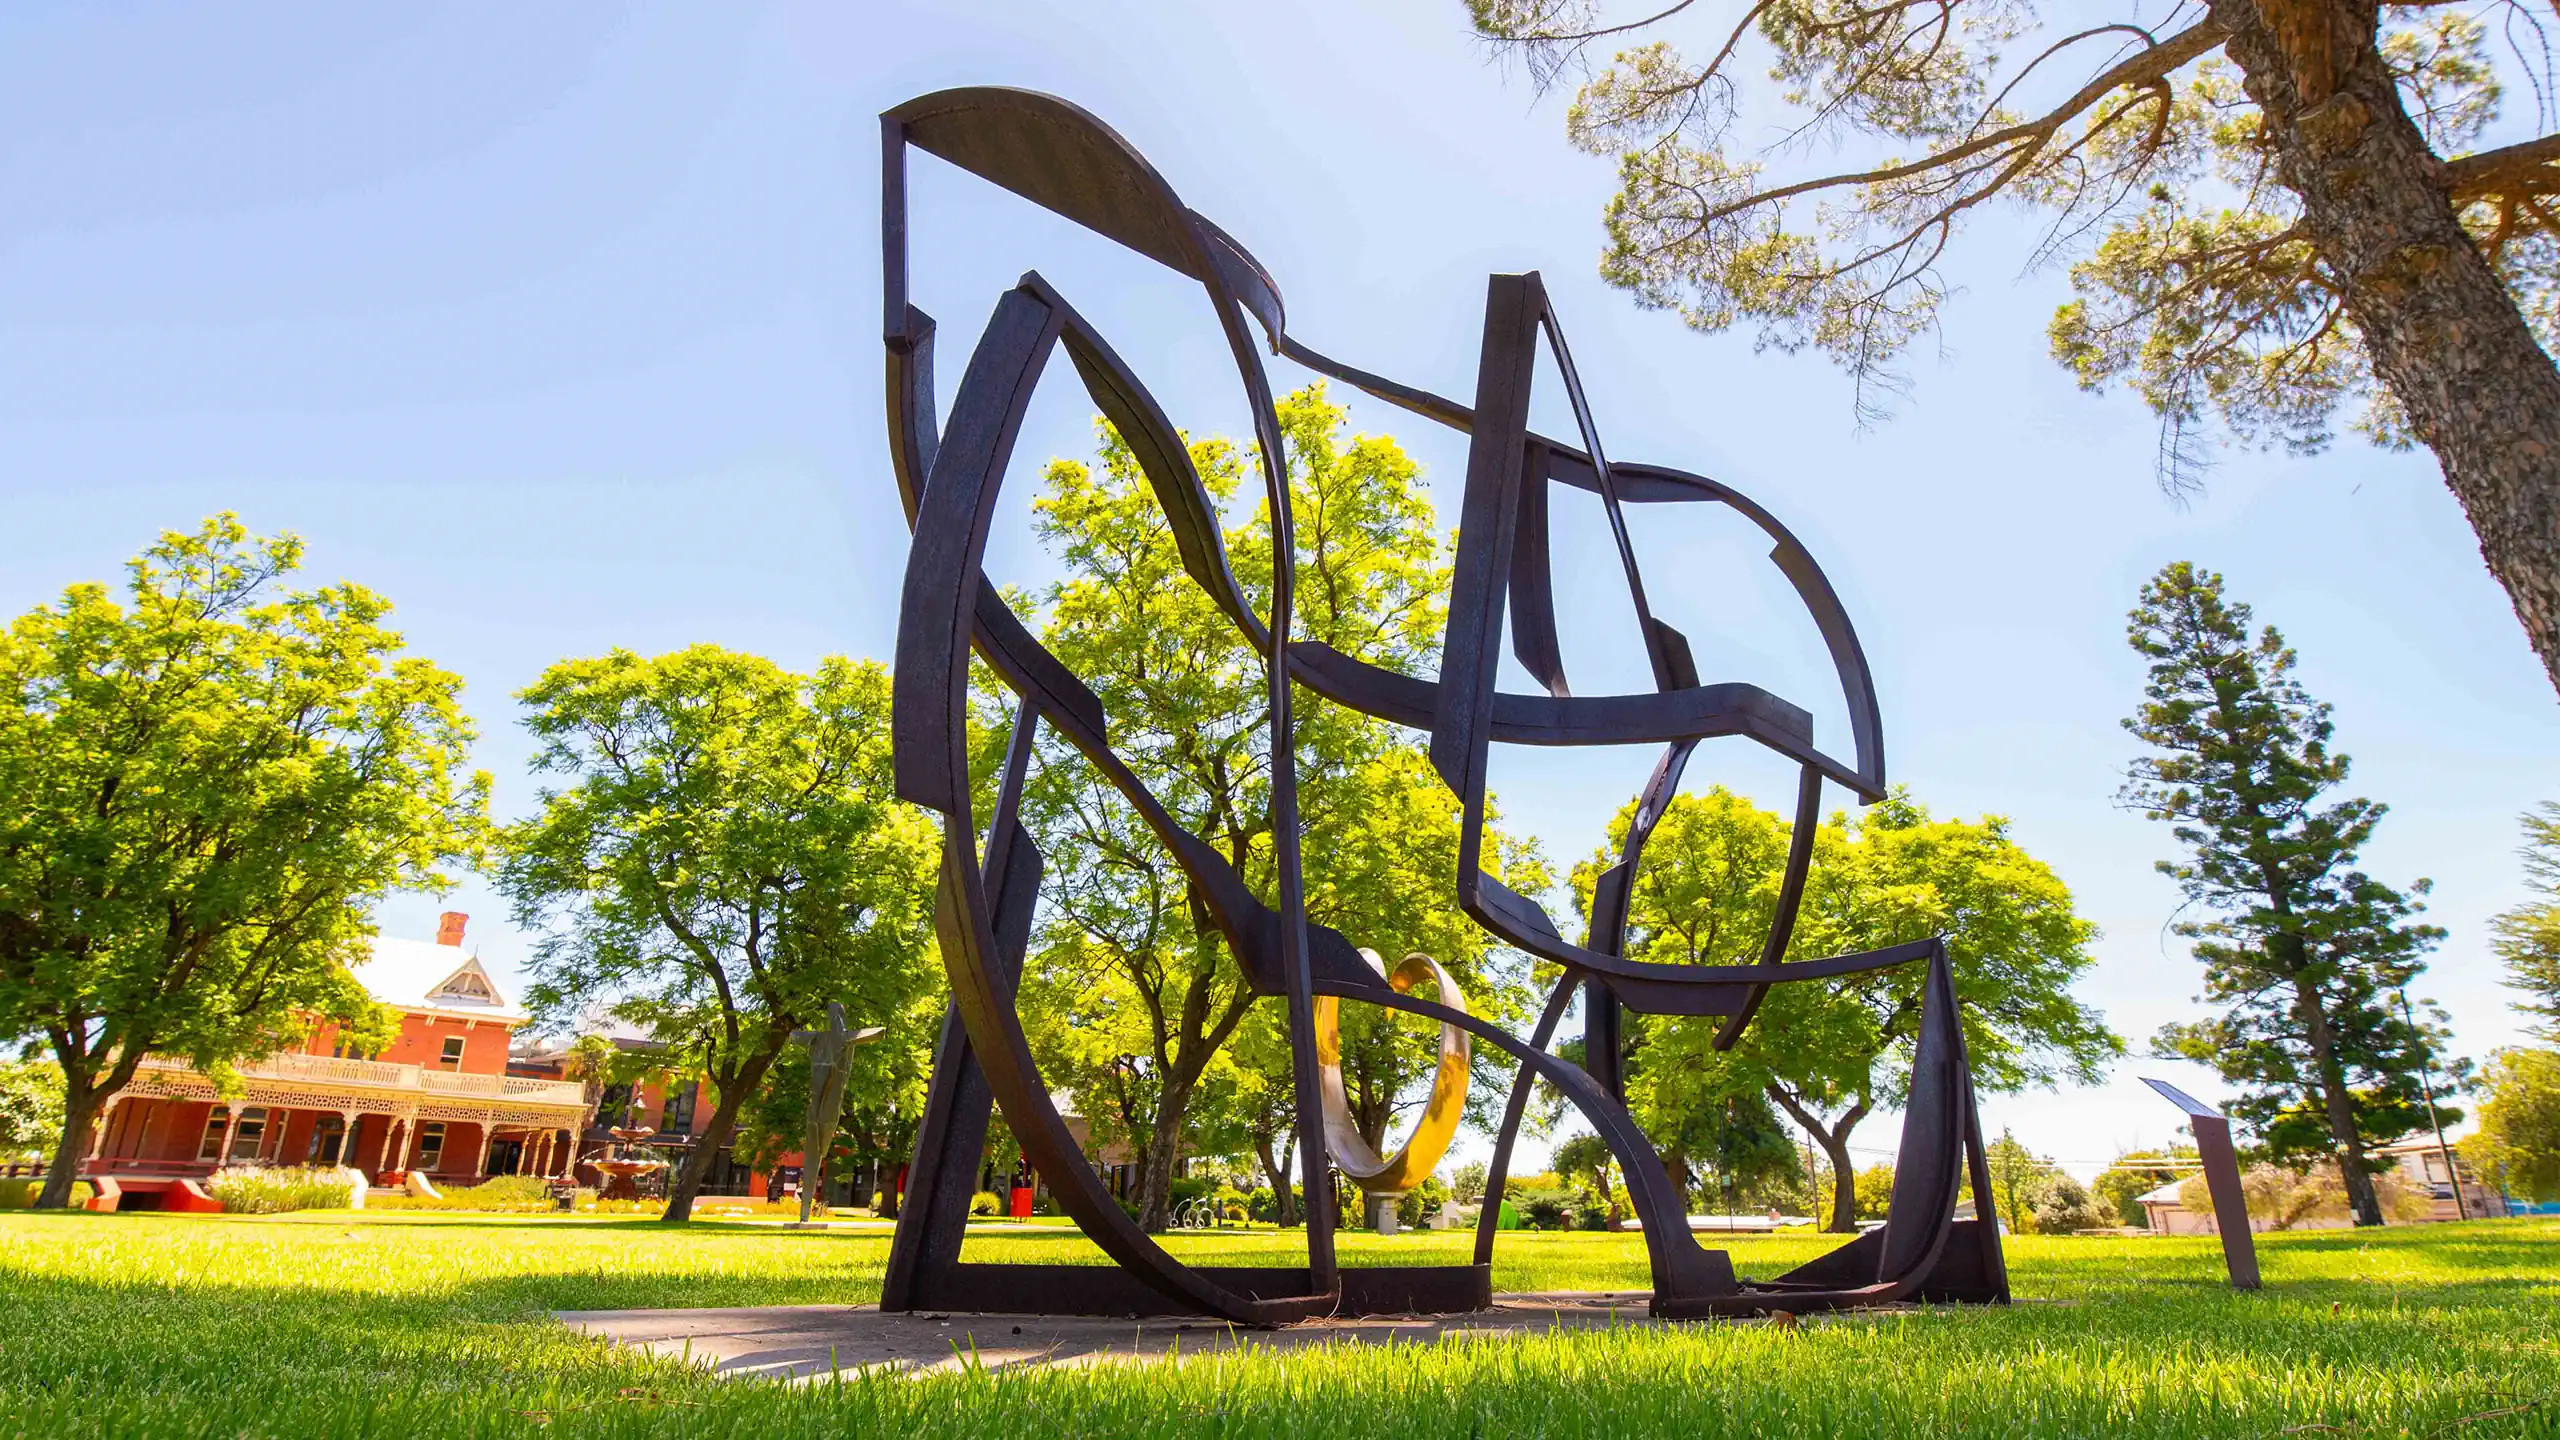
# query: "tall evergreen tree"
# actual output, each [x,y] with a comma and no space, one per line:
[2302,951]
[2528,937]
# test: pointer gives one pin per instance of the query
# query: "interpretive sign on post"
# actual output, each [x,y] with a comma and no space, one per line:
[2212,1130]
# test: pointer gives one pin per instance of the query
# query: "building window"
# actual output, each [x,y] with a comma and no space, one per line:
[348,1050]
[210,1147]
[245,1133]
[679,1112]
[453,1052]
[430,1145]
[611,1104]
[328,1141]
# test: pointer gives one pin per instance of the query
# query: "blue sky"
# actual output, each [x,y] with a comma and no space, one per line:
[559,326]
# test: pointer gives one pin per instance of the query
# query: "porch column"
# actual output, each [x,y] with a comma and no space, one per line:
[347,1137]
[409,1147]
[568,1155]
[488,1130]
[222,1152]
[542,1154]
[98,1132]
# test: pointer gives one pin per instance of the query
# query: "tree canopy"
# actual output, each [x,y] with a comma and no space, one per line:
[726,856]
[2518,1144]
[1130,992]
[2302,951]
[203,792]
[2272,208]
[1829,1054]
[2528,936]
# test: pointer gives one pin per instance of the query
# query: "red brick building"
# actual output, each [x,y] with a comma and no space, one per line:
[438,1102]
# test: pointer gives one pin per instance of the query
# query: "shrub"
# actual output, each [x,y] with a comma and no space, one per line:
[1421,1202]
[2281,1197]
[2066,1207]
[1593,1215]
[269,1190]
[504,1194]
[1546,1212]
[986,1202]
[21,1194]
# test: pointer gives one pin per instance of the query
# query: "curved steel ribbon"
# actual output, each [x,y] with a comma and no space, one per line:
[1420,1154]
[1063,159]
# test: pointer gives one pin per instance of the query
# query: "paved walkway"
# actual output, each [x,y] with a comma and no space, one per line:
[801,1342]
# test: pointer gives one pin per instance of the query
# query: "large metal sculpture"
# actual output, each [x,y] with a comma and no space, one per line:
[1063,159]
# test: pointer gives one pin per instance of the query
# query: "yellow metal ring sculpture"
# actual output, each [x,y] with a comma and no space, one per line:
[1410,1166]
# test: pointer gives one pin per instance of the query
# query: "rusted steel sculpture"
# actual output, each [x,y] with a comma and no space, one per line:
[1063,159]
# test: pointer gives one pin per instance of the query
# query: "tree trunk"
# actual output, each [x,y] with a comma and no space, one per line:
[80,1106]
[1834,1140]
[1844,1183]
[2338,1104]
[1284,1201]
[1164,1142]
[2440,328]
[724,1120]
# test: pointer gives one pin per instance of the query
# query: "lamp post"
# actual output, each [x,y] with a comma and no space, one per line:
[2427,1087]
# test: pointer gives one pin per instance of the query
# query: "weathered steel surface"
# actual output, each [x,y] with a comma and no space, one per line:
[949,473]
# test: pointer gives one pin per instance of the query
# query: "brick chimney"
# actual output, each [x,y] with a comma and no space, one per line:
[449,927]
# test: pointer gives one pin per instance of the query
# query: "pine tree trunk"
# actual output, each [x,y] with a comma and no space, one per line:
[2441,330]
[2338,1105]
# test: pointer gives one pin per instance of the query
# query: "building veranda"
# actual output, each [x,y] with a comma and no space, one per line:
[439,1102]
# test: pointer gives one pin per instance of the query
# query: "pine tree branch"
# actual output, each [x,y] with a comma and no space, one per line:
[2527,167]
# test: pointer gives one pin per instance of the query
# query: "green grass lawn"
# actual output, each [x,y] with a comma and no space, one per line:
[434,1325]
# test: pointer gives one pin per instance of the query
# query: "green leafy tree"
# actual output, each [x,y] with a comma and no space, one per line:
[1875,1192]
[1738,1148]
[30,1110]
[2302,952]
[1130,993]
[203,792]
[1248,1096]
[2135,1173]
[2528,937]
[2275,207]
[1828,1055]
[884,1091]
[726,856]
[2020,1179]
[1466,1186]
[2518,1144]
[1586,1157]
[1703,897]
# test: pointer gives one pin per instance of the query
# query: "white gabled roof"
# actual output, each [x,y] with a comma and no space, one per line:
[2165,1195]
[444,979]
